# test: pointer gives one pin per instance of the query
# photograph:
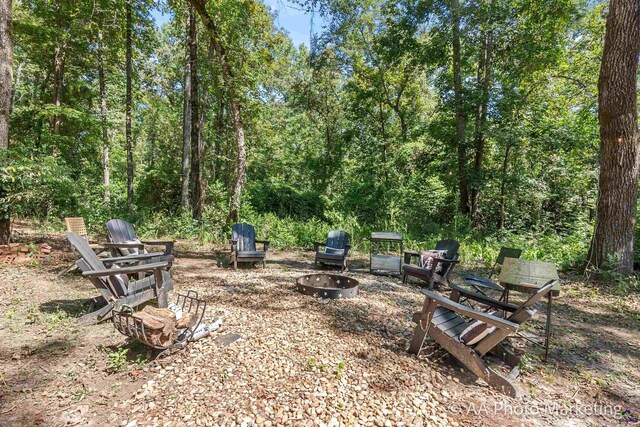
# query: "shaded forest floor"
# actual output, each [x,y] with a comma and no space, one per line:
[301,360]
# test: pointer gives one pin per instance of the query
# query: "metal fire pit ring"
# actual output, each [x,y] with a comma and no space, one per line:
[330,286]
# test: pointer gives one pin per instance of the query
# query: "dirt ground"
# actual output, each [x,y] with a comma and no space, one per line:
[301,360]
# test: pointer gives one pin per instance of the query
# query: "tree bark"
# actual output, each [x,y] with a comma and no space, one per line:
[106,177]
[59,58]
[197,148]
[128,103]
[236,110]
[459,110]
[6,80]
[186,124]
[613,243]
[484,84]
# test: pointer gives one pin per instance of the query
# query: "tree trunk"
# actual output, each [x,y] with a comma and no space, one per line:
[59,58]
[186,121]
[484,84]
[128,103]
[106,177]
[613,242]
[459,108]
[6,80]
[236,111]
[197,196]
[503,188]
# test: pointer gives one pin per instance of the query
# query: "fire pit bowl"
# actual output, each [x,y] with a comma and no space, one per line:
[327,286]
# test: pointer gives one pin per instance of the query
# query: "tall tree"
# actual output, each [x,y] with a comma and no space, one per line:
[461,144]
[186,118]
[6,80]
[59,61]
[128,102]
[197,146]
[614,236]
[106,177]
[236,114]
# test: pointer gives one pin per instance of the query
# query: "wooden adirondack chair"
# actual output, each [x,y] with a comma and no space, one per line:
[113,283]
[445,319]
[243,245]
[479,282]
[335,251]
[432,275]
[124,241]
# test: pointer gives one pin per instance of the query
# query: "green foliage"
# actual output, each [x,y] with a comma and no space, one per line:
[356,134]
[117,359]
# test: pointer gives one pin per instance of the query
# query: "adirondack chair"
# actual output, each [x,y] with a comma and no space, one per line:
[445,320]
[480,283]
[113,283]
[243,246]
[124,241]
[432,275]
[335,251]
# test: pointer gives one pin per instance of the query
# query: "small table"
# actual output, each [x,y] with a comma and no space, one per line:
[527,276]
[379,262]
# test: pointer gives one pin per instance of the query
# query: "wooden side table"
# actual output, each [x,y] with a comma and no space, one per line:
[527,277]
[384,262]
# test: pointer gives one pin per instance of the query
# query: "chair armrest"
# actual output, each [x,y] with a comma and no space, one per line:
[483,299]
[266,244]
[316,246]
[469,312]
[123,245]
[408,255]
[131,258]
[126,270]
[168,245]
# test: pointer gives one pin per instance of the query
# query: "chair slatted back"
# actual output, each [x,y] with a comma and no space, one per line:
[77,226]
[528,308]
[89,262]
[245,234]
[450,245]
[507,253]
[338,239]
[121,231]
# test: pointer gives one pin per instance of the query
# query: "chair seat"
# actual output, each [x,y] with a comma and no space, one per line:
[322,256]
[449,322]
[412,270]
[481,282]
[251,254]
[149,282]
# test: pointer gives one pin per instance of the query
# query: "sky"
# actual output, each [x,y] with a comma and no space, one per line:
[289,17]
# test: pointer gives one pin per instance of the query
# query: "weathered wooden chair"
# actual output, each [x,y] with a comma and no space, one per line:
[113,283]
[124,241]
[446,321]
[243,246]
[335,251]
[440,268]
[481,283]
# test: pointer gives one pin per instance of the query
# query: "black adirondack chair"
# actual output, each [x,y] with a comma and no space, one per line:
[482,283]
[434,274]
[124,241]
[113,283]
[335,251]
[243,245]
[445,319]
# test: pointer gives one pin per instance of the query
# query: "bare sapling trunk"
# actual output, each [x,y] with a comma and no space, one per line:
[186,122]
[106,177]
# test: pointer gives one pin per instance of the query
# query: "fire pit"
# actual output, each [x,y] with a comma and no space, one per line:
[327,286]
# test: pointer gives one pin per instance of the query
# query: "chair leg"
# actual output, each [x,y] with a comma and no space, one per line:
[264,264]
[235,264]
